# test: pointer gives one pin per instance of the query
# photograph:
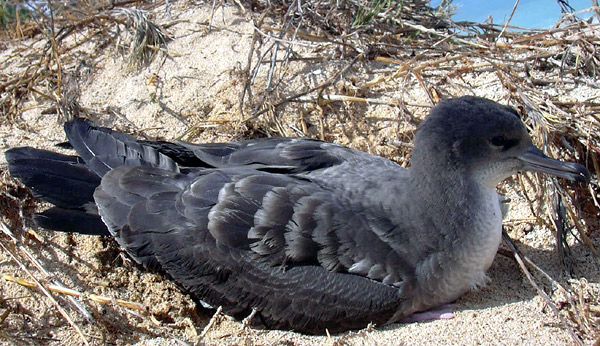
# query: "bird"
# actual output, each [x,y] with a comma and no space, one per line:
[296,233]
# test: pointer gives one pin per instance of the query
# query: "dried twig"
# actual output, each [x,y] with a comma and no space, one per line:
[45,291]
[519,258]
[215,319]
[45,272]
[512,13]
[96,298]
[319,87]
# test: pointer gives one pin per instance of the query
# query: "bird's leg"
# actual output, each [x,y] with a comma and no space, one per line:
[442,312]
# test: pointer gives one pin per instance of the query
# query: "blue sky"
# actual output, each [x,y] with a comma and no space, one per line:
[529,14]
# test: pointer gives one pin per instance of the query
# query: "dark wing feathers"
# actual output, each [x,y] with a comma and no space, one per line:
[289,155]
[306,298]
[301,247]
[103,149]
[71,220]
[229,237]
[247,225]
[176,152]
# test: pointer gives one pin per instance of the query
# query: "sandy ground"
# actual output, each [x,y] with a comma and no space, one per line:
[198,86]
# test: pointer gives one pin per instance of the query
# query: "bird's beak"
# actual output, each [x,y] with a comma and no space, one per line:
[535,160]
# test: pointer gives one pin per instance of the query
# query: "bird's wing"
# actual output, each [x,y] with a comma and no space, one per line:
[286,155]
[255,231]
[103,149]
[247,239]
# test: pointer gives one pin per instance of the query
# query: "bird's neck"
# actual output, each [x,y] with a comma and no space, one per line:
[443,181]
[452,191]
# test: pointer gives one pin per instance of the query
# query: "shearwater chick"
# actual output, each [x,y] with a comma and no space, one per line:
[305,234]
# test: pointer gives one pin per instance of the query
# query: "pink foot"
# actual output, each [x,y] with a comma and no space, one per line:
[442,312]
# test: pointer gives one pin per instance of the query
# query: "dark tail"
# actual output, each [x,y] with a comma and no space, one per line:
[62,180]
[69,182]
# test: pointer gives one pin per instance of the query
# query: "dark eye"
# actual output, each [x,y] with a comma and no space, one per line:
[498,141]
[503,142]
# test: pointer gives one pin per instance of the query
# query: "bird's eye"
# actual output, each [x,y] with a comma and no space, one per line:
[498,141]
[503,143]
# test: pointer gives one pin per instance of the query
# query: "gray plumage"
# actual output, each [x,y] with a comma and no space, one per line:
[311,235]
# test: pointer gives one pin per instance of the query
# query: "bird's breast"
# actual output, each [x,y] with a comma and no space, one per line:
[487,234]
[479,245]
[460,266]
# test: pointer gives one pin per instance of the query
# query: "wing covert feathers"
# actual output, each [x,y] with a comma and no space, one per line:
[246,239]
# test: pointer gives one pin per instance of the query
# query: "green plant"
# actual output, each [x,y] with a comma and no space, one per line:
[446,9]
[368,10]
[10,11]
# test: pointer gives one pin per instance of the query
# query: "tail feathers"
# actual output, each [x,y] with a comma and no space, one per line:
[71,221]
[103,149]
[62,180]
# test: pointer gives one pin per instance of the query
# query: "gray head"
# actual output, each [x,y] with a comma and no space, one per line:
[486,140]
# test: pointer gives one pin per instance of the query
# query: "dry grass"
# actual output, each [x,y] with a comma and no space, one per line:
[58,32]
[403,43]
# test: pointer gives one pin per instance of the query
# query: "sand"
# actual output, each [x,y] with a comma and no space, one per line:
[198,86]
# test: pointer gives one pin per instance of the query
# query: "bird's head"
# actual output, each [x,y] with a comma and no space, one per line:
[485,139]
